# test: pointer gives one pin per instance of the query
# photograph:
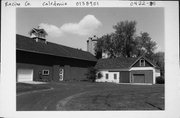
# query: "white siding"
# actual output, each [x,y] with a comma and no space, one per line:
[110,77]
[157,73]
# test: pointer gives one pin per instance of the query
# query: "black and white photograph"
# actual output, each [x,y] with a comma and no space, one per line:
[90,59]
[84,59]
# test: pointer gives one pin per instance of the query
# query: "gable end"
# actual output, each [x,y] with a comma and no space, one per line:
[139,63]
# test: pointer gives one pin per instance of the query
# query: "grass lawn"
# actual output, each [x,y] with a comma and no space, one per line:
[75,96]
[108,96]
[24,87]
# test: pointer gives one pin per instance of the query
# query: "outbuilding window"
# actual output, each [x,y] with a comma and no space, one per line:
[45,72]
[115,76]
[141,62]
[107,76]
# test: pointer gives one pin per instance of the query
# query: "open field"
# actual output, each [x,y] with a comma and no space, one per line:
[92,96]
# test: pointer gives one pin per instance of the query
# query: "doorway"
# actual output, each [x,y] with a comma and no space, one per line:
[61,74]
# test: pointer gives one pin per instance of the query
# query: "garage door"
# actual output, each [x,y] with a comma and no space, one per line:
[24,75]
[138,78]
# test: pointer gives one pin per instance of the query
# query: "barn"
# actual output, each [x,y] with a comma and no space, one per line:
[127,70]
[40,60]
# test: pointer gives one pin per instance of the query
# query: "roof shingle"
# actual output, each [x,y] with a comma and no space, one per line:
[115,63]
[28,44]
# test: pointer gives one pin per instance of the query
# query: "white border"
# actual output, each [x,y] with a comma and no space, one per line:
[8,70]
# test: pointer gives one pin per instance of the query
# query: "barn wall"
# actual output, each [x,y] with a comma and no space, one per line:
[67,73]
[70,73]
[37,71]
[74,69]
[78,73]
[56,69]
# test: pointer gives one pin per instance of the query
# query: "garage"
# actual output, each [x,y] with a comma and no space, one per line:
[138,78]
[24,75]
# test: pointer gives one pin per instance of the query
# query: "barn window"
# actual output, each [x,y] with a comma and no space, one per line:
[107,76]
[142,62]
[115,76]
[45,72]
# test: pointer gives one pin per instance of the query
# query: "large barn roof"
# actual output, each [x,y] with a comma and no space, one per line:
[27,44]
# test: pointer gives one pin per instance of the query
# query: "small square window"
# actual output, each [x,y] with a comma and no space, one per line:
[142,62]
[45,72]
[107,76]
[115,76]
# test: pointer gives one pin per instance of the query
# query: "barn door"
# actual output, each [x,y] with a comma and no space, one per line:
[61,74]
[24,75]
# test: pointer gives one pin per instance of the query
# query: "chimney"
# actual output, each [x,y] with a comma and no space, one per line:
[91,44]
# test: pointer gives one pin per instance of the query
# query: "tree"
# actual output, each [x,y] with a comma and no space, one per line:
[144,45]
[119,43]
[159,60]
[124,34]
[91,74]
[123,42]
[105,44]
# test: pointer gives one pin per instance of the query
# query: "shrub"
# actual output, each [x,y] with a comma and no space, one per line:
[99,75]
[91,74]
[160,80]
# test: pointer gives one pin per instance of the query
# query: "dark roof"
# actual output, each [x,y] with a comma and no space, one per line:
[120,63]
[27,44]
[115,63]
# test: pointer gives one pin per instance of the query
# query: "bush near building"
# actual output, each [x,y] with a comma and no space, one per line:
[92,74]
[160,80]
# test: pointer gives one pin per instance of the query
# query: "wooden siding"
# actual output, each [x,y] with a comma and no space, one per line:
[70,73]
[74,69]
[148,74]
[124,77]
[138,78]
[37,71]
[147,64]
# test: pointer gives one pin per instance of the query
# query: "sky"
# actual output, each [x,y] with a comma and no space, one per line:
[73,26]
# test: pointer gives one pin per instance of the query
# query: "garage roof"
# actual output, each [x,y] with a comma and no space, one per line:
[119,63]
[28,44]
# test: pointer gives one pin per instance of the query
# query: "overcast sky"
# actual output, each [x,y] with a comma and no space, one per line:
[73,26]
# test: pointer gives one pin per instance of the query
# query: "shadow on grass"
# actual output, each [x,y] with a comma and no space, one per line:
[24,87]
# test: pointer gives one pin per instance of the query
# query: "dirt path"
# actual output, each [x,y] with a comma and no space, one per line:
[61,105]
